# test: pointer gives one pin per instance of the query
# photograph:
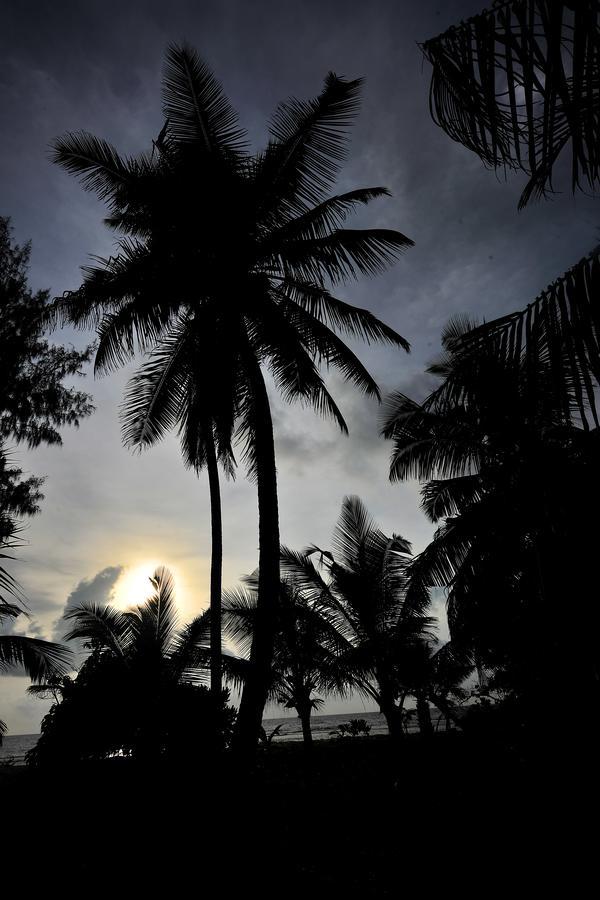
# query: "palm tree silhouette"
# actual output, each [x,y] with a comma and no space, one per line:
[517,84]
[505,481]
[41,660]
[307,651]
[140,674]
[243,246]
[378,611]
[186,383]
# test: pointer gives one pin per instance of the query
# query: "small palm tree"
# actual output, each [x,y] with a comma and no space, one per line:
[378,611]
[243,249]
[307,648]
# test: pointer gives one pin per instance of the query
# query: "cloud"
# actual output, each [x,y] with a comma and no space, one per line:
[99,589]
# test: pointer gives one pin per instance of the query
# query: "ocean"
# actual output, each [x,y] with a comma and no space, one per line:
[324,727]
[15,746]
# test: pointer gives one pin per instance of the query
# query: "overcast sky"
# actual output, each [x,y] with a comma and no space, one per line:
[67,66]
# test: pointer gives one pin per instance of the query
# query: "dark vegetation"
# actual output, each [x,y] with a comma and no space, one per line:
[506,449]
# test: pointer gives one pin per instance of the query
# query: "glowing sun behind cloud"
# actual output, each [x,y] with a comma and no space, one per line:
[133,586]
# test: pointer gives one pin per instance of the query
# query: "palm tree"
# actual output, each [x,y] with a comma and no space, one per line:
[516,84]
[490,464]
[307,653]
[433,672]
[135,691]
[245,246]
[41,660]
[378,611]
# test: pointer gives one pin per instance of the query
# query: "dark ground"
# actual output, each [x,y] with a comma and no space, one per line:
[356,819]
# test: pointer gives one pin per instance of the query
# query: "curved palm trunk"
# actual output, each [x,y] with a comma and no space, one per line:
[304,710]
[216,568]
[257,683]
[393,718]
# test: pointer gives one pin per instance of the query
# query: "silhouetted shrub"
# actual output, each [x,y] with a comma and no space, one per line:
[108,711]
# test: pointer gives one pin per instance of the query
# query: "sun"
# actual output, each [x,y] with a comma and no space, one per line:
[133,586]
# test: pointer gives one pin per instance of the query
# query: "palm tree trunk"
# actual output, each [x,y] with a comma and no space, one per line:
[256,687]
[424,715]
[216,567]
[393,718]
[304,711]
[387,706]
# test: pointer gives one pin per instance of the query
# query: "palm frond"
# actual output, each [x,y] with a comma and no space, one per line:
[238,611]
[343,254]
[561,328]
[308,148]
[103,625]
[520,82]
[447,497]
[189,655]
[196,110]
[343,317]
[41,660]
[322,219]
[155,394]
[97,163]
[427,443]
[9,610]
[154,623]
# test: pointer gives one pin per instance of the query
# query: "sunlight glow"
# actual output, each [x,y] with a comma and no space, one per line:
[133,586]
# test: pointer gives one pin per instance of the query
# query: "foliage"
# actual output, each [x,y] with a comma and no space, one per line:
[306,651]
[508,484]
[353,728]
[558,330]
[225,263]
[267,738]
[166,289]
[520,82]
[41,660]
[517,84]
[34,401]
[366,589]
[139,692]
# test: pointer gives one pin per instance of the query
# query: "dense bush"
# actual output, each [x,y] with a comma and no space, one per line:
[108,711]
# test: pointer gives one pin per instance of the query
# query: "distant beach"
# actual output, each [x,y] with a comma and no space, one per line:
[15,746]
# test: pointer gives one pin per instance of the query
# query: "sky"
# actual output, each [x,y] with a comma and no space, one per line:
[110,516]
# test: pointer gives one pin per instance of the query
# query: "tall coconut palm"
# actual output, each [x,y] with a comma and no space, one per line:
[378,611]
[186,385]
[250,243]
[40,660]
[308,649]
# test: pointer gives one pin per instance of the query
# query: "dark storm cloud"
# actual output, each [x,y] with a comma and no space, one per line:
[98,589]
